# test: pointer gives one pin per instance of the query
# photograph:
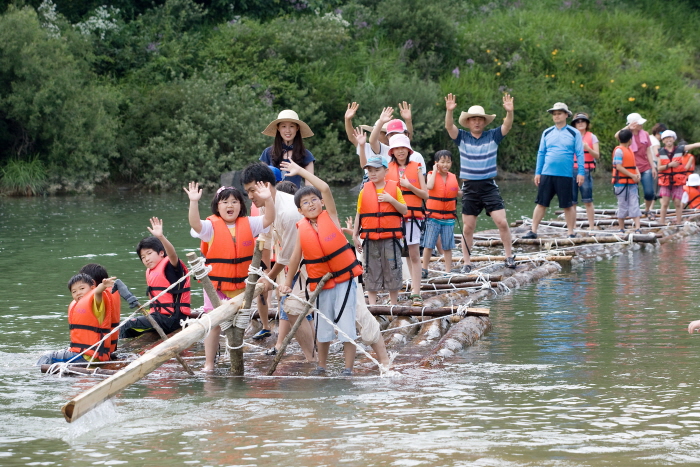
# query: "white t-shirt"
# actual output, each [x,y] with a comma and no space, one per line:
[256,227]
[384,152]
[284,228]
[655,142]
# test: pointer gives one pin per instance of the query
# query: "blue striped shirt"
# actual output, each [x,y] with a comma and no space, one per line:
[478,156]
[556,153]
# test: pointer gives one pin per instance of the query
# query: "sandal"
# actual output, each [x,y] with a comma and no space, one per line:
[424,274]
[417,300]
[638,231]
[271,352]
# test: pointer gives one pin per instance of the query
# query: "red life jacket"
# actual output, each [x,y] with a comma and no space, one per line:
[86,330]
[588,160]
[327,250]
[673,176]
[628,163]
[177,298]
[442,199]
[693,196]
[379,220]
[229,256]
[413,201]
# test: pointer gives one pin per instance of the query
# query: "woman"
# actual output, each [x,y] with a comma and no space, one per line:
[643,157]
[288,132]
[591,153]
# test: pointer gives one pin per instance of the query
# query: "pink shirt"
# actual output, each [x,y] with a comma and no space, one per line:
[640,143]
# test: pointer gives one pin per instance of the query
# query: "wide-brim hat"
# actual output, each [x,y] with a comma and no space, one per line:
[581,116]
[636,118]
[400,141]
[288,116]
[560,106]
[475,111]
[371,127]
[693,180]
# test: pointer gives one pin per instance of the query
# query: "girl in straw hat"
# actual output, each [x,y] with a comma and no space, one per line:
[288,132]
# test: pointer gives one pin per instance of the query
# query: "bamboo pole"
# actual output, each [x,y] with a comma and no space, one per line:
[298,322]
[431,311]
[152,359]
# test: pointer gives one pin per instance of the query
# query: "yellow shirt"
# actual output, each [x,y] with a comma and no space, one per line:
[398,196]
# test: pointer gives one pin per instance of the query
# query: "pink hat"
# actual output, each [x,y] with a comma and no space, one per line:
[400,141]
[396,126]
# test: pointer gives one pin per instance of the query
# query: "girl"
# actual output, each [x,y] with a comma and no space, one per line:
[227,243]
[675,164]
[289,132]
[409,176]
[591,153]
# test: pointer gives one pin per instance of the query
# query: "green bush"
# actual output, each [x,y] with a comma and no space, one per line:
[24,178]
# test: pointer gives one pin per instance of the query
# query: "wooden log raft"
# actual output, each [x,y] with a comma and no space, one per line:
[83,370]
[431,311]
[152,359]
[464,278]
[559,242]
[584,223]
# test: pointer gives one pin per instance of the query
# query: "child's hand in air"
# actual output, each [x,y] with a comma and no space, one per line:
[156,228]
[193,191]
[360,136]
[386,115]
[262,190]
[291,167]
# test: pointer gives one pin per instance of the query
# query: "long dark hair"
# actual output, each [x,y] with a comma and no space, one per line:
[298,153]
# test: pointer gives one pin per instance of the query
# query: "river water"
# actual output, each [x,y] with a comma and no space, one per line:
[591,367]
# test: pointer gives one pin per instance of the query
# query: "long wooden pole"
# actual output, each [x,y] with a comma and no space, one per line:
[152,359]
[432,311]
[297,323]
[557,242]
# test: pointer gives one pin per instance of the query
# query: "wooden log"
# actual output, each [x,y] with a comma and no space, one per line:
[580,224]
[151,360]
[461,335]
[464,278]
[399,332]
[83,370]
[431,311]
[461,285]
[297,323]
[560,242]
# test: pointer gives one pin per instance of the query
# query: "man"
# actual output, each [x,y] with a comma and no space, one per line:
[554,173]
[478,150]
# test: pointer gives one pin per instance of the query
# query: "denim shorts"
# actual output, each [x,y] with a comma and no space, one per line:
[586,189]
[433,231]
[647,183]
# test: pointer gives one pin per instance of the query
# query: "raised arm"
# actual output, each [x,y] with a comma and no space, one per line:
[349,115]
[361,139]
[386,115]
[156,230]
[690,147]
[407,116]
[508,122]
[194,193]
[106,284]
[293,267]
[317,183]
[450,106]
[430,181]
[262,190]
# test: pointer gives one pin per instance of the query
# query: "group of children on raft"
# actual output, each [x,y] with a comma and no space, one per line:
[399,209]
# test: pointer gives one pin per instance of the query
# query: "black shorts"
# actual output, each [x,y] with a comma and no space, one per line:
[140,324]
[481,194]
[551,185]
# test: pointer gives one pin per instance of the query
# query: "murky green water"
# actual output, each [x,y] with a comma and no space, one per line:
[591,367]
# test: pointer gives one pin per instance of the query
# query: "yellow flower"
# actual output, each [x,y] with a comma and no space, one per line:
[499,63]
[521,38]
[612,80]
[498,74]
[553,76]
[581,85]
[572,82]
[631,99]
[522,123]
[488,51]
[495,60]
[656,87]
[644,85]
[546,76]
[554,52]
[580,65]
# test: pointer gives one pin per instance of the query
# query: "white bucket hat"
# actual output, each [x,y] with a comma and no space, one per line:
[400,141]
[560,106]
[475,111]
[636,118]
[288,116]
[693,180]
[668,133]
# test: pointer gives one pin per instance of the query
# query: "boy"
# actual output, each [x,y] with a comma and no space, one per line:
[625,178]
[440,209]
[98,274]
[163,268]
[380,208]
[89,319]
[324,248]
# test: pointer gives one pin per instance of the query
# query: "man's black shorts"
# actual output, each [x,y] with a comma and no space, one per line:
[481,194]
[551,185]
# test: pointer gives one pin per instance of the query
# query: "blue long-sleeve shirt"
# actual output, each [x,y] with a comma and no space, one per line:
[558,146]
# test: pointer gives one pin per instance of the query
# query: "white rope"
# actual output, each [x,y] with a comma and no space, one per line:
[189,321]
[199,268]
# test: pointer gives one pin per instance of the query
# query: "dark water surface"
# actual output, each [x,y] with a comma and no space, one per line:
[591,367]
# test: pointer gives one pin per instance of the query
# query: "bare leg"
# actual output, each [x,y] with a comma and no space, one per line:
[263,309]
[305,337]
[665,200]
[679,211]
[499,218]
[427,253]
[570,217]
[211,346]
[393,297]
[649,204]
[349,351]
[621,223]
[590,214]
[637,223]
[323,353]
[380,350]
[537,216]
[282,331]
[414,267]
[372,297]
[448,260]
[469,226]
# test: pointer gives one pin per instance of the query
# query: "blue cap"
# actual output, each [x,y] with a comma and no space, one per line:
[277,172]
[376,161]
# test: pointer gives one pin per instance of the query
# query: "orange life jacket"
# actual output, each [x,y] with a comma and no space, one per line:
[176,299]
[116,306]
[86,330]
[628,163]
[674,176]
[588,160]
[693,196]
[327,250]
[379,220]
[414,203]
[442,199]
[229,256]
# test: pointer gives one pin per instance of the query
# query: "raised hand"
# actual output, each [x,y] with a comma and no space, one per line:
[360,135]
[109,282]
[350,223]
[450,102]
[194,193]
[262,190]
[291,167]
[156,228]
[508,102]
[351,111]
[405,110]
[386,115]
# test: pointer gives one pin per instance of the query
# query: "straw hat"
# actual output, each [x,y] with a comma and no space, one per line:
[371,127]
[288,116]
[693,180]
[560,106]
[474,111]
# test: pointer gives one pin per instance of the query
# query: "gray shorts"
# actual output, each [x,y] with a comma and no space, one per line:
[382,265]
[330,302]
[627,201]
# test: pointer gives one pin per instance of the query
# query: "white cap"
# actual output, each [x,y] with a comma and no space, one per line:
[636,118]
[693,180]
[668,133]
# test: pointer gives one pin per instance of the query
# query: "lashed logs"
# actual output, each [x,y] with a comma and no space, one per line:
[584,223]
[460,335]
[430,310]
[560,242]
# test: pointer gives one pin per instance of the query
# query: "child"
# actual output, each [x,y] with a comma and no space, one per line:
[163,268]
[691,192]
[325,249]
[675,164]
[380,211]
[98,274]
[89,319]
[227,242]
[441,206]
[625,178]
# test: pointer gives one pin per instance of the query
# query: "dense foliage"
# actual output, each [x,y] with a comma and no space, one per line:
[158,93]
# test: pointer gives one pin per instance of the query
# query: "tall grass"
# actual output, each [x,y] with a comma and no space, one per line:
[23,177]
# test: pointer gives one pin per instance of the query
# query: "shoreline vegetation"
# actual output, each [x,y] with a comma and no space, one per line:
[152,95]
